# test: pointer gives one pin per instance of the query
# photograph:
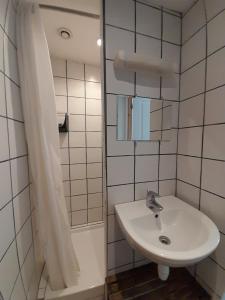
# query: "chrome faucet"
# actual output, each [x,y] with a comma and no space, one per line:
[151,203]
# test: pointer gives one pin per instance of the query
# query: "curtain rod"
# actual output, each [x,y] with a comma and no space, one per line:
[69,10]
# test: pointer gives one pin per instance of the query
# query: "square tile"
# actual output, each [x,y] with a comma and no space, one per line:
[76,88]
[119,194]
[95,185]
[76,105]
[146,148]
[117,39]
[93,90]
[115,147]
[2,95]
[92,73]
[94,139]
[77,155]
[22,209]
[215,106]
[190,141]
[61,104]
[95,214]
[167,167]
[78,187]
[119,254]
[75,70]
[93,107]
[213,173]
[95,200]
[3,8]
[188,193]
[58,66]
[19,166]
[193,81]
[114,231]
[94,155]
[188,169]
[4,151]
[78,171]
[191,112]
[17,139]
[94,170]
[120,170]
[79,217]
[171,53]
[93,123]
[1,49]
[79,202]
[77,139]
[141,189]
[214,7]
[77,123]
[60,86]
[120,13]
[146,168]
[171,28]
[214,144]
[216,38]
[7,233]
[169,146]
[167,187]
[216,70]
[111,106]
[148,20]
[65,172]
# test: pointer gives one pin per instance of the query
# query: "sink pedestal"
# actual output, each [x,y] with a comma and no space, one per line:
[163,272]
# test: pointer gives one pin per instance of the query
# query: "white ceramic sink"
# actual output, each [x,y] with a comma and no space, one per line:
[193,236]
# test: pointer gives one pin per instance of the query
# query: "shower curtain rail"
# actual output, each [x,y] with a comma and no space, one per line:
[69,10]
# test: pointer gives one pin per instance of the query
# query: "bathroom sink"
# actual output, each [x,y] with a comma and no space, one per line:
[178,236]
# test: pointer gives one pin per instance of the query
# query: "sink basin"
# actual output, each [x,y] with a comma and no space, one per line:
[178,236]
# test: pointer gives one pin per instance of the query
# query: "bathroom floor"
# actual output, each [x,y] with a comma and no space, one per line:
[143,284]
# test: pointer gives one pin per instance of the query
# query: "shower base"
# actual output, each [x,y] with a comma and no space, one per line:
[88,242]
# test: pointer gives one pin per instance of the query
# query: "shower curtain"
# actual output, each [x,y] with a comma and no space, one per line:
[37,90]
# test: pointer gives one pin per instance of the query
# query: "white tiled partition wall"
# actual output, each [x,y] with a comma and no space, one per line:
[18,272]
[136,26]
[201,143]
[78,93]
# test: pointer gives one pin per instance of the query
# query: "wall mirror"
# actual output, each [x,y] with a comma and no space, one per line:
[143,119]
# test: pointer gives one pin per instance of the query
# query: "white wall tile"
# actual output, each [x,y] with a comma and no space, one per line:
[61,104]
[78,171]
[118,39]
[216,37]
[21,208]
[76,88]
[141,189]
[75,70]
[93,107]
[64,156]
[10,57]
[120,170]
[193,20]
[18,145]
[216,70]
[93,123]
[76,105]
[6,222]
[95,200]
[167,187]
[188,193]
[2,95]
[94,170]
[167,167]
[65,172]
[92,73]
[190,141]
[114,231]
[194,50]
[4,151]
[78,187]
[63,140]
[122,17]
[95,185]
[19,166]
[214,7]
[192,81]
[215,106]
[146,168]
[1,49]
[3,8]
[77,139]
[66,188]
[171,53]
[170,144]
[93,90]
[77,123]
[28,269]
[94,139]
[119,194]
[119,254]
[58,66]
[24,241]
[148,20]
[79,202]
[79,217]
[188,169]
[146,148]
[120,82]
[77,155]
[191,112]
[115,147]
[111,101]
[214,144]
[94,155]
[213,173]
[60,86]
[171,28]
[218,255]
[95,214]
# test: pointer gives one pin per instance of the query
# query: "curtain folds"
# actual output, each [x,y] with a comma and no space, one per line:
[38,101]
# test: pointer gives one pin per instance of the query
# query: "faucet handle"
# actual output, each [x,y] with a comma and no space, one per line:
[151,193]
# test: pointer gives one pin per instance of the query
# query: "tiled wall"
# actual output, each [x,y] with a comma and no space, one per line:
[201,143]
[78,92]
[136,26]
[18,273]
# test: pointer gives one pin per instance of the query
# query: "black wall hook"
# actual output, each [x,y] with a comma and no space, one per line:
[64,127]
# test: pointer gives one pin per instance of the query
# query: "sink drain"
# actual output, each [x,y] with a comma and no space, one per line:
[164,240]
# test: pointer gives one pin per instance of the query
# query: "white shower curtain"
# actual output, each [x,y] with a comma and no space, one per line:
[39,110]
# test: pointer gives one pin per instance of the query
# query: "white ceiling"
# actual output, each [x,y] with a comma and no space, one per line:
[177,5]
[82,47]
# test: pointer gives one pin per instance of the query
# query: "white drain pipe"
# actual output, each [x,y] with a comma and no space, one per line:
[163,272]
